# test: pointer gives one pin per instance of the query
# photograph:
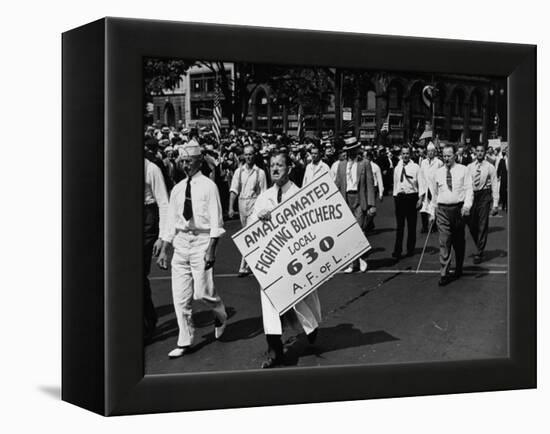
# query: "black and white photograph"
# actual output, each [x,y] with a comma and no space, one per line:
[303,216]
[257,217]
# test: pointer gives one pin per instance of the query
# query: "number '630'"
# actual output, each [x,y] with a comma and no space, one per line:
[295,266]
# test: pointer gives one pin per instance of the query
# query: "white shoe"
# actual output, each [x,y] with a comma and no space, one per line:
[349,269]
[218,331]
[177,352]
[363,265]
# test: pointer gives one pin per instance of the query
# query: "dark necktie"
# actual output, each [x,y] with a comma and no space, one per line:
[279,195]
[188,206]
[449,179]
[403,173]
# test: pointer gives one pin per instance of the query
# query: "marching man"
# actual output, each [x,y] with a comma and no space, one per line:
[452,202]
[316,167]
[486,194]
[306,312]
[355,181]
[194,224]
[428,166]
[247,183]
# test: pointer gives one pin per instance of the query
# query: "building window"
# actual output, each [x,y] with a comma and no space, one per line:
[395,97]
[457,104]
[180,113]
[158,113]
[202,109]
[371,100]
[475,106]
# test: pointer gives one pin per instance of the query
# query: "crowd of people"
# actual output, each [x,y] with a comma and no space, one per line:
[193,182]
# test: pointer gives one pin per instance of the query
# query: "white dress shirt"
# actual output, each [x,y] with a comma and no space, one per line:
[487,180]
[248,183]
[207,209]
[427,172]
[461,182]
[351,175]
[268,199]
[377,175]
[155,191]
[308,311]
[315,170]
[409,184]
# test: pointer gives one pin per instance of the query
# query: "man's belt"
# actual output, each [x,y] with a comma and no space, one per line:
[351,192]
[193,231]
[450,205]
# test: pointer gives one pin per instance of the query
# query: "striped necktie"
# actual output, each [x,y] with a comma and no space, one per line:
[477,177]
[449,179]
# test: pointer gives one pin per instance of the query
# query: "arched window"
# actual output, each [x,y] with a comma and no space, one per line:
[261,103]
[475,104]
[395,96]
[457,103]
[439,100]
[371,100]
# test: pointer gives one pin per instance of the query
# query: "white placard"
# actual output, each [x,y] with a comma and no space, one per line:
[311,235]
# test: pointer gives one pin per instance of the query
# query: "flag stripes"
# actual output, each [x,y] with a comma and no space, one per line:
[217,115]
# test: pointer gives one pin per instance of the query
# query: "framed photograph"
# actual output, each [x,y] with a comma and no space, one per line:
[258,216]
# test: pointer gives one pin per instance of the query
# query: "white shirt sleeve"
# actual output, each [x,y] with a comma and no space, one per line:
[494,185]
[160,194]
[215,213]
[263,181]
[468,189]
[170,228]
[235,187]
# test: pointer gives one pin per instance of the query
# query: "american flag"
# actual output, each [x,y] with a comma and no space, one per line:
[301,123]
[386,125]
[217,115]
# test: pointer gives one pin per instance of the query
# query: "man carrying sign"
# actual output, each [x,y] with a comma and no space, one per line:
[306,312]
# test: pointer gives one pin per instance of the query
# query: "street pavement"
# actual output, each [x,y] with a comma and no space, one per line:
[390,314]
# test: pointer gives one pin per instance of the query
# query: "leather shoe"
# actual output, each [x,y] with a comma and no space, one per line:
[273,361]
[477,259]
[457,274]
[444,280]
[312,337]
[177,352]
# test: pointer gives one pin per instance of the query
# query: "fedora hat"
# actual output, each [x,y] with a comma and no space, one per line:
[350,143]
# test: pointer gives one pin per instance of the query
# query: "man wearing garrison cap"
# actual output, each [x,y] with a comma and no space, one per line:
[194,224]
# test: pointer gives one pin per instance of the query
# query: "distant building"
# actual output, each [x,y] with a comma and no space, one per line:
[468,109]
[191,102]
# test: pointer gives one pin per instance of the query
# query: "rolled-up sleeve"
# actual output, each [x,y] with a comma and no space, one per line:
[215,213]
[468,189]
[170,226]
[235,187]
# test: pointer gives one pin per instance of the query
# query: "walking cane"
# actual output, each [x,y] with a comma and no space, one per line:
[425,244]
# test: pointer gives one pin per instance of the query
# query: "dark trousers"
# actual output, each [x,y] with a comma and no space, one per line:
[451,235]
[151,234]
[478,222]
[405,210]
[352,199]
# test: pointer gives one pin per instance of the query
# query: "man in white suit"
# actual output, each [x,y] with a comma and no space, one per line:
[306,313]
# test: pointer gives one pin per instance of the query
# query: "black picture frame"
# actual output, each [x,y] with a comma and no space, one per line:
[103,358]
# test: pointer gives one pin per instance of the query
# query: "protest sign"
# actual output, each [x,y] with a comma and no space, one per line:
[310,236]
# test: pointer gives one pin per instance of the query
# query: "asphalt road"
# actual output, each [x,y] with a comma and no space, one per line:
[388,314]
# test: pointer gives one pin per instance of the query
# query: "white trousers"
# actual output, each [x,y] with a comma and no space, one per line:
[190,281]
[246,206]
[308,314]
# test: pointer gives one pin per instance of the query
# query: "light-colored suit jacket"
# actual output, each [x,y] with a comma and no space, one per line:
[365,183]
